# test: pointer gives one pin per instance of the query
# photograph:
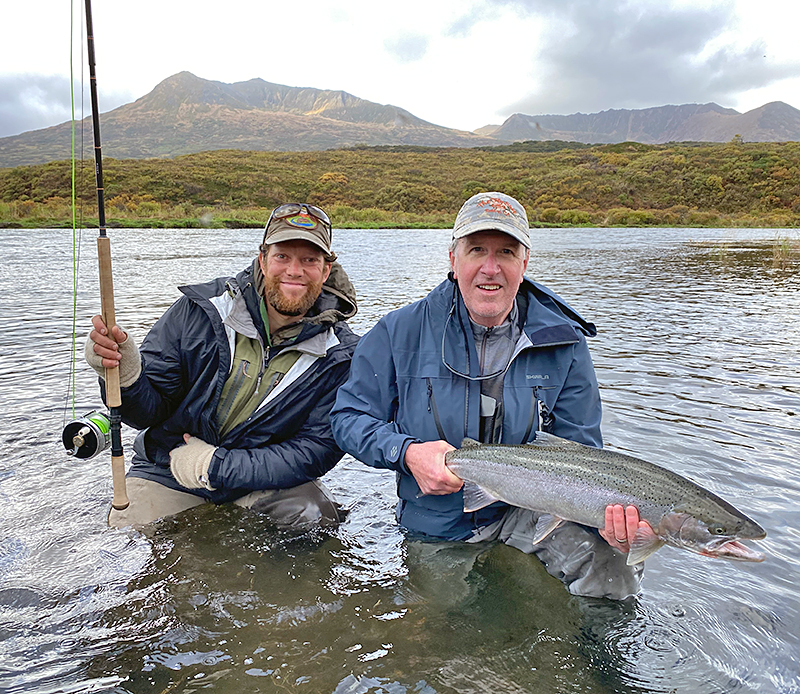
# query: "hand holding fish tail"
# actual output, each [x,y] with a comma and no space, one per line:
[621,526]
[426,462]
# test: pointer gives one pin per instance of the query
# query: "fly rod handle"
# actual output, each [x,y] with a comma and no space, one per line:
[120,498]
[113,395]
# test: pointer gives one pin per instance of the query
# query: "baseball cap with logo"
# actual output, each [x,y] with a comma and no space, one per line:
[298,222]
[493,212]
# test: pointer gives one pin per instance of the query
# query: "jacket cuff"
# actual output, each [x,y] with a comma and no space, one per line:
[215,476]
[396,454]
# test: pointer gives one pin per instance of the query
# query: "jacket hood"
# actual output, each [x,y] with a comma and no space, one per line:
[543,317]
[557,312]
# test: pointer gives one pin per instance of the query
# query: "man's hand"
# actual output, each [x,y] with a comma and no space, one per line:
[621,526]
[104,351]
[426,463]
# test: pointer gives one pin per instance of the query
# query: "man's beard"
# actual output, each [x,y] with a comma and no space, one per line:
[285,305]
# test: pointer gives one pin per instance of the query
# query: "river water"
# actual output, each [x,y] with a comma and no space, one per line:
[697,358]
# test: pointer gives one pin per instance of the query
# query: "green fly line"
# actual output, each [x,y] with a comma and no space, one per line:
[75,227]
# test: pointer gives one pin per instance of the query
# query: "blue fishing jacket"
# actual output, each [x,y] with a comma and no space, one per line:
[186,359]
[401,391]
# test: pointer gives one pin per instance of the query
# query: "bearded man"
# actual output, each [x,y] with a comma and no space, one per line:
[233,386]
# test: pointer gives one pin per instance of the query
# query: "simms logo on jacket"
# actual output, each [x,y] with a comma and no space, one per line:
[538,377]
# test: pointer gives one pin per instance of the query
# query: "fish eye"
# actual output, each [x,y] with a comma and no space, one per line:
[717,530]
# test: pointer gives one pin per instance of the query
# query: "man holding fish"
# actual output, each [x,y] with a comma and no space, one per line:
[491,356]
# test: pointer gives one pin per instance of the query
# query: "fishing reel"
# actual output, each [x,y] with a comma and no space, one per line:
[87,436]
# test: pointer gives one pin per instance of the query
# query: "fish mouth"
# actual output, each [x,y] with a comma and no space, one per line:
[732,549]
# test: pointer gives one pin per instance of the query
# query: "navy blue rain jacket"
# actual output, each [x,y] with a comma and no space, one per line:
[400,391]
[186,359]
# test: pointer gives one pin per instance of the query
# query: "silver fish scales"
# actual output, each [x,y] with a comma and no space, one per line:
[568,481]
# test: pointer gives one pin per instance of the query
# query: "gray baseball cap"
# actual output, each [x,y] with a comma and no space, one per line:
[493,212]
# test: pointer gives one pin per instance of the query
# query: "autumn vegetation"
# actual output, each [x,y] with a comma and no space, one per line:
[560,183]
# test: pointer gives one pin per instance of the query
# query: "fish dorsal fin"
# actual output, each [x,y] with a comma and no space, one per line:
[546,524]
[645,542]
[476,498]
[553,441]
[470,443]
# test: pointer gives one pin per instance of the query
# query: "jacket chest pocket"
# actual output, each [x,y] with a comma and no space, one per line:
[527,410]
[432,409]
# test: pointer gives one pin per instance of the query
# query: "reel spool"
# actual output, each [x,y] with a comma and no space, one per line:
[87,436]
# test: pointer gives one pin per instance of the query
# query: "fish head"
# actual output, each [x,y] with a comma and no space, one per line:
[717,536]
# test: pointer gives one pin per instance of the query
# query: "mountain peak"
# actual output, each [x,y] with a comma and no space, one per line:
[185,113]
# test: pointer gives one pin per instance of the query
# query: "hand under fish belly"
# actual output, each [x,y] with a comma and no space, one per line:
[568,481]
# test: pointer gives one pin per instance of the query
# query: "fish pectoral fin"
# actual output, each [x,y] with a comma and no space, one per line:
[645,543]
[476,498]
[546,524]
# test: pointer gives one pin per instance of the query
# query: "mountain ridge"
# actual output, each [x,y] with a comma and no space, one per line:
[186,114]
[772,122]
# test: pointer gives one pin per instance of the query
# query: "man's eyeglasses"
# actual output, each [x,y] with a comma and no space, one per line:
[295,209]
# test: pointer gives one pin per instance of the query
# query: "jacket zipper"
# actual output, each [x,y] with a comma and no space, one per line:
[434,410]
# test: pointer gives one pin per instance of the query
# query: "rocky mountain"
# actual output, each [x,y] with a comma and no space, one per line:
[186,114]
[773,122]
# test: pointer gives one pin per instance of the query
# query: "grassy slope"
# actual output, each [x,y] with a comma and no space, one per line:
[560,184]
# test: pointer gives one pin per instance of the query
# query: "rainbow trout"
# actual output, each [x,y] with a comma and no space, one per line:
[567,481]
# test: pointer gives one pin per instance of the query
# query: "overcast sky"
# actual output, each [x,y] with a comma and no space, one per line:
[458,63]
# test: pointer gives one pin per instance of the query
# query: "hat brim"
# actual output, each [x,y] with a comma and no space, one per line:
[493,225]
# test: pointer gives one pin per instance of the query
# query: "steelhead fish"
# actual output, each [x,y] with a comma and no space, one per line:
[568,481]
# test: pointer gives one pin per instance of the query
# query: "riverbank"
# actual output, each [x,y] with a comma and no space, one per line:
[393,221]
[736,184]
[42,216]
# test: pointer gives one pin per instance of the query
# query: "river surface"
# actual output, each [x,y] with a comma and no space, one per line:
[699,367]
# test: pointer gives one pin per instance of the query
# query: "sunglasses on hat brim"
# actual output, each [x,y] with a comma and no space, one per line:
[292,209]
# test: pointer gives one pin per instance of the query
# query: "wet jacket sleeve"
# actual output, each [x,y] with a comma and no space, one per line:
[155,395]
[363,416]
[578,411]
[305,456]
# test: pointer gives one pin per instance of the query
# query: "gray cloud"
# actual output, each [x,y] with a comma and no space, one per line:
[31,102]
[407,48]
[631,54]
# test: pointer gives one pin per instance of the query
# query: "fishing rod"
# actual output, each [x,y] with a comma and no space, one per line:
[91,434]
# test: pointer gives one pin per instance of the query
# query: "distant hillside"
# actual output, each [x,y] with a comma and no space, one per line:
[773,122]
[629,184]
[185,114]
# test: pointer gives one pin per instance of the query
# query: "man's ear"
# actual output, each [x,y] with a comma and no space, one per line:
[452,256]
[327,272]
